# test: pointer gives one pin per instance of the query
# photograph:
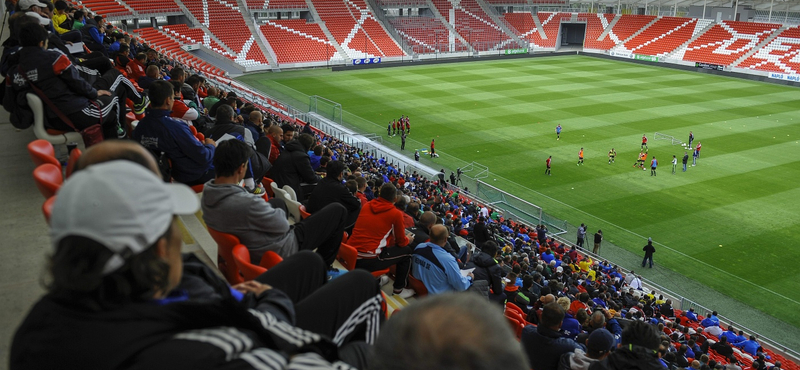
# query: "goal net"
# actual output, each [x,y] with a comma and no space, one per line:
[660,136]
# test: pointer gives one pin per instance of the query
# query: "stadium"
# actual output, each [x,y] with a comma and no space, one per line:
[489,81]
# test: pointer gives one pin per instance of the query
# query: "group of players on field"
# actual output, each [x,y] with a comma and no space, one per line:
[641,159]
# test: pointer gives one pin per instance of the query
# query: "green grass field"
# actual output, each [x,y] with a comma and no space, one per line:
[729,223]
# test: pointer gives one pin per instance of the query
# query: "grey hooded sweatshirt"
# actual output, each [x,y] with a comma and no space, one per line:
[231,209]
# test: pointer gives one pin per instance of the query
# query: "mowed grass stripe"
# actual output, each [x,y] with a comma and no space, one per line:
[502,114]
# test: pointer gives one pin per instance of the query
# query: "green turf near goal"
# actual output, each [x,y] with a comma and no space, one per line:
[660,136]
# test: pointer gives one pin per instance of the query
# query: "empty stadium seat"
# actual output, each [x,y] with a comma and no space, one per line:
[663,36]
[72,161]
[225,244]
[47,208]
[41,152]
[48,179]
[726,42]
[342,19]
[249,271]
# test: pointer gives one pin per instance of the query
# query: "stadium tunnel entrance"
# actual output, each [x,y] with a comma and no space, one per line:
[572,34]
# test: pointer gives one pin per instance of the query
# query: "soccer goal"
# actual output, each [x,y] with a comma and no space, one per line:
[660,136]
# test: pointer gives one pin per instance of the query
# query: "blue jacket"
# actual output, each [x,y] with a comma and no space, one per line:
[710,321]
[159,133]
[437,269]
[615,328]
[691,316]
[570,327]
[547,257]
[749,346]
[731,336]
[544,347]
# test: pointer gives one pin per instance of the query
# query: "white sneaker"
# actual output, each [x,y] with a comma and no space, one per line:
[405,293]
[384,280]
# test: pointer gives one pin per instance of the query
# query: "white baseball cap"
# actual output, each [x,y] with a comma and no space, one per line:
[27,4]
[121,205]
[43,21]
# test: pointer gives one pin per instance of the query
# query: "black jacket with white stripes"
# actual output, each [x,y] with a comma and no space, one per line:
[207,333]
[54,74]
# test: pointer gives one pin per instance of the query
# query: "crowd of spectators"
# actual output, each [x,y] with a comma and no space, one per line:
[118,274]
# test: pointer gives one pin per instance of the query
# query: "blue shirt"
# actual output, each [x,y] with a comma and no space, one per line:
[437,269]
[691,316]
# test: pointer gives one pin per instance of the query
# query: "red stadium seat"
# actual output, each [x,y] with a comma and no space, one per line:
[48,179]
[241,256]
[41,152]
[73,161]
[225,244]
[47,208]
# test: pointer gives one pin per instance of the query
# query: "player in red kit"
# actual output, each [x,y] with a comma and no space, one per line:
[547,171]
[644,141]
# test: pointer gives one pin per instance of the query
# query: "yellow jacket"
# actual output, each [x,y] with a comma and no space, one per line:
[58,19]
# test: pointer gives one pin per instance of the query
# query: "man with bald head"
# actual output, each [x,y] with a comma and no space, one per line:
[449,331]
[437,268]
[254,123]
[274,133]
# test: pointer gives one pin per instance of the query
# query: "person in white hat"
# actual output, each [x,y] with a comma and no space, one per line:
[112,300]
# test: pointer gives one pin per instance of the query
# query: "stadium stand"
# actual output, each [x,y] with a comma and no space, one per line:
[297,41]
[595,25]
[281,4]
[726,42]
[152,6]
[662,37]
[185,35]
[423,34]
[171,48]
[780,55]
[473,24]
[523,23]
[355,29]
[551,24]
[107,8]
[627,25]
[225,21]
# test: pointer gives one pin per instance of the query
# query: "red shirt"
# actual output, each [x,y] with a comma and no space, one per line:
[644,139]
[548,162]
[136,70]
[179,108]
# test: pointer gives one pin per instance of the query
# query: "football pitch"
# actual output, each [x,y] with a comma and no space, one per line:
[729,223]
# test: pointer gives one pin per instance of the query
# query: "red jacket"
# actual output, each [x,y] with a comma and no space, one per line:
[137,69]
[379,225]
